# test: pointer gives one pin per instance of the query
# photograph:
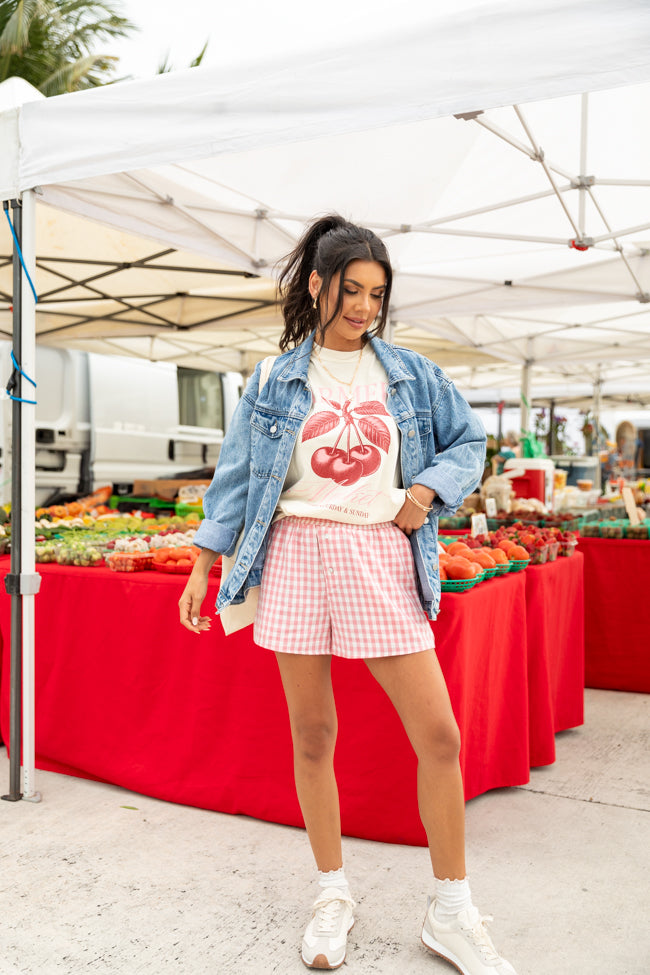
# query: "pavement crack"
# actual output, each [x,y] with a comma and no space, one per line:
[590,802]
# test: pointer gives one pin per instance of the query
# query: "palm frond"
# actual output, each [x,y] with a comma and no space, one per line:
[199,57]
[165,66]
[83,37]
[51,43]
[78,75]
[15,34]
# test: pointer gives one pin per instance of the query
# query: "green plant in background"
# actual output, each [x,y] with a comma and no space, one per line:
[541,425]
[166,66]
[562,446]
[558,436]
[51,44]
[588,430]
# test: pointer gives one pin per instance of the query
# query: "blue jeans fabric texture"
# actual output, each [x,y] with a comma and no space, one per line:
[442,445]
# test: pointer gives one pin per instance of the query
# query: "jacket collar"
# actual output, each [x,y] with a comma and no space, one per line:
[298,364]
[391,361]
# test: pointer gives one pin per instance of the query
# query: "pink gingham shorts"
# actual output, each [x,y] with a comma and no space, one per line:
[334,588]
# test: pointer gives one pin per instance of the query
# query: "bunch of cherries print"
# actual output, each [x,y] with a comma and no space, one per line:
[346,465]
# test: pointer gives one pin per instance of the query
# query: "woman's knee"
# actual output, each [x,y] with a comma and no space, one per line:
[314,741]
[442,742]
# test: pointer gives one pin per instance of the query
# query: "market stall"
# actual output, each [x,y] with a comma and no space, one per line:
[555,632]
[617,613]
[127,696]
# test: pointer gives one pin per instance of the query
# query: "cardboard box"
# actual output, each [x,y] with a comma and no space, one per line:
[167,490]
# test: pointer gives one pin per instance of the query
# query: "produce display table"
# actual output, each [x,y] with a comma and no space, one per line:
[124,694]
[617,613]
[555,636]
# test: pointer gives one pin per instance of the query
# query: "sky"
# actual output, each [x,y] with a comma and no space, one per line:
[244,28]
[239,29]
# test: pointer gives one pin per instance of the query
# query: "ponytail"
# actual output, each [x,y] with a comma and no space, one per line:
[327,246]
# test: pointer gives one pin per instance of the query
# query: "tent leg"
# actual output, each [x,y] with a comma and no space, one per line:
[598,385]
[30,581]
[12,581]
[22,583]
[390,329]
[525,397]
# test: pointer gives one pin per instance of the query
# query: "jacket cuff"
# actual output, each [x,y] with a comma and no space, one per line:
[215,536]
[448,497]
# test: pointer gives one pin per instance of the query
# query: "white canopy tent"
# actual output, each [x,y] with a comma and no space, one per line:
[518,230]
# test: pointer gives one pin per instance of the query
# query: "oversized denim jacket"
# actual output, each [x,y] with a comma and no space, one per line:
[442,446]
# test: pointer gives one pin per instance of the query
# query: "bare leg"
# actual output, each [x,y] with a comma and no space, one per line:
[416,686]
[307,686]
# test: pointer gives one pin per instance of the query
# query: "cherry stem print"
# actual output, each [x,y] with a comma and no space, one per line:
[348,466]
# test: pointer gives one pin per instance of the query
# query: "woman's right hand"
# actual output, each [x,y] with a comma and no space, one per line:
[195,591]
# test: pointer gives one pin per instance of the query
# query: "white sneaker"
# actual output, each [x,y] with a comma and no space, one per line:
[325,940]
[465,942]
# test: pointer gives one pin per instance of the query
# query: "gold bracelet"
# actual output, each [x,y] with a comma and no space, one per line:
[415,501]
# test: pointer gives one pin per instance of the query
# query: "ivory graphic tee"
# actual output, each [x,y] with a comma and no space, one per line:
[345,464]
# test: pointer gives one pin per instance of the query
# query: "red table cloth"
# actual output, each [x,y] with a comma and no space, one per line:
[124,694]
[617,613]
[555,636]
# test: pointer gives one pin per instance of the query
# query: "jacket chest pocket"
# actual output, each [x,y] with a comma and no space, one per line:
[266,433]
[419,434]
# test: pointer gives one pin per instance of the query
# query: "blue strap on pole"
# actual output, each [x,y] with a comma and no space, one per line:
[20,255]
[12,382]
[17,368]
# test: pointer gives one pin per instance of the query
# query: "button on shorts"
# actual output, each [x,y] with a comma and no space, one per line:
[346,590]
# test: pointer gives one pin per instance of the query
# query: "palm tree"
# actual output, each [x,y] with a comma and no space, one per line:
[50,44]
[166,66]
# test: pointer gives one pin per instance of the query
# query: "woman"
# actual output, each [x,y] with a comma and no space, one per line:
[509,449]
[334,473]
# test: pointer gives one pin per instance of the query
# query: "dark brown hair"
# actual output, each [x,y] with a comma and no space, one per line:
[327,246]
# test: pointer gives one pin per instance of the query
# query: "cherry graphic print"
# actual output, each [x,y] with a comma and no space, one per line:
[346,465]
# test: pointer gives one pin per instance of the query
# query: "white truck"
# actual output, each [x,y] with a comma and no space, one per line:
[111,420]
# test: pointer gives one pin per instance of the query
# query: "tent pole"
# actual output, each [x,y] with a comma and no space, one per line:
[12,581]
[30,581]
[551,428]
[390,326]
[582,190]
[525,395]
[598,386]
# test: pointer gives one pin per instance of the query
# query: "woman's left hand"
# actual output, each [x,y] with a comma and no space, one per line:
[409,517]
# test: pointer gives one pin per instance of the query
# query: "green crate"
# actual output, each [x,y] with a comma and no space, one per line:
[615,528]
[457,522]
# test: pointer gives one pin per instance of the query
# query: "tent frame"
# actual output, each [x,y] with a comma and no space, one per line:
[23,582]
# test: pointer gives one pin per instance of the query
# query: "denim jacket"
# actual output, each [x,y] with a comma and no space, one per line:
[442,445]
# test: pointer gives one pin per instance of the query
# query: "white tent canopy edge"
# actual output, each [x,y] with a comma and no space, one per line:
[472,57]
[482,55]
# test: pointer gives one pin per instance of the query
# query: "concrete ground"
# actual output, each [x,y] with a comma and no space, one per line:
[95,879]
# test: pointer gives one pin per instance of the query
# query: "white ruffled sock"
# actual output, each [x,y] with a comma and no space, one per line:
[333,878]
[451,897]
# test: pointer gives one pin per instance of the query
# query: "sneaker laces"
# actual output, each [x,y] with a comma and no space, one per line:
[327,908]
[477,930]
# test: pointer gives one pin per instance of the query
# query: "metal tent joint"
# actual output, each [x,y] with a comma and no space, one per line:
[583,182]
[23,583]
[643,297]
[581,243]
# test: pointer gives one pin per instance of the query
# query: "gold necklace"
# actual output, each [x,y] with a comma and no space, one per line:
[335,378]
